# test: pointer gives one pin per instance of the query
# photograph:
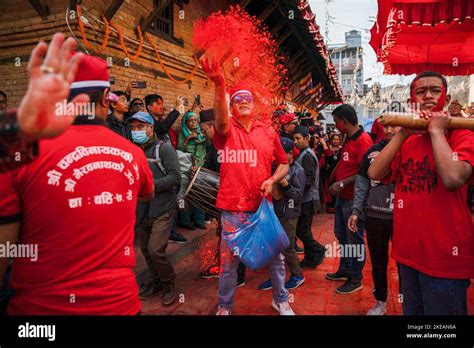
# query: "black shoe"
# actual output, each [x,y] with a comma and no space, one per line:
[298,249]
[177,238]
[349,287]
[319,258]
[337,276]
[308,263]
[240,282]
[149,289]
[169,294]
[189,227]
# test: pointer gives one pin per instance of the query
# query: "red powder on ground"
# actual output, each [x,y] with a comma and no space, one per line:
[247,52]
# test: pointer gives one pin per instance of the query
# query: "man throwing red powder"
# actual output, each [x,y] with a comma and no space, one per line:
[246,150]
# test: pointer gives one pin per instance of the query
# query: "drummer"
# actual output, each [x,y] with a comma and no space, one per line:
[243,179]
[206,118]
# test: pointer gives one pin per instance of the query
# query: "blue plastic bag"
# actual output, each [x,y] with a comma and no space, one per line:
[261,238]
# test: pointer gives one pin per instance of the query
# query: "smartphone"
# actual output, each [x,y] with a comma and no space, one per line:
[141,84]
[112,80]
[197,99]
[185,101]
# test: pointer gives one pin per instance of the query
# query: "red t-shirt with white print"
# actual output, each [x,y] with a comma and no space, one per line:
[77,204]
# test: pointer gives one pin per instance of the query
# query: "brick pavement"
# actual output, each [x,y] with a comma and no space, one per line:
[315,297]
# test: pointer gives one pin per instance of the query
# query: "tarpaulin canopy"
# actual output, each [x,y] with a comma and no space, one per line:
[410,36]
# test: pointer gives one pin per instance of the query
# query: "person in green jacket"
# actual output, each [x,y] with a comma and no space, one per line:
[192,141]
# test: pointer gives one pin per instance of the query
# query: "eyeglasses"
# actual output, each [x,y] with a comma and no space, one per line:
[239,98]
[138,104]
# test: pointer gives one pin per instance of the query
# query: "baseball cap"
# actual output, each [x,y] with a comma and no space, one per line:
[142,117]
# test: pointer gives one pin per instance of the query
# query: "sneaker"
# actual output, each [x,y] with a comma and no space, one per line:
[294,282]
[223,311]
[298,249]
[211,272]
[169,294]
[266,285]
[240,282]
[337,276]
[349,287]
[283,308]
[380,308]
[149,289]
[177,238]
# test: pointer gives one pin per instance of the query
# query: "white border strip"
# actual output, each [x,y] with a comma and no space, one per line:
[90,83]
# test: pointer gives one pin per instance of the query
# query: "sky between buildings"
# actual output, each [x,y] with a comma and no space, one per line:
[349,15]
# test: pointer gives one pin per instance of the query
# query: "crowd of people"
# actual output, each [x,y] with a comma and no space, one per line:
[82,187]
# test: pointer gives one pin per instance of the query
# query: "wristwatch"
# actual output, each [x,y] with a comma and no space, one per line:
[341,184]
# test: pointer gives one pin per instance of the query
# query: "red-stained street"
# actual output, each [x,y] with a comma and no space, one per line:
[315,297]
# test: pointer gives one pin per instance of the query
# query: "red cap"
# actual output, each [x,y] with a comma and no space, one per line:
[240,87]
[288,118]
[92,74]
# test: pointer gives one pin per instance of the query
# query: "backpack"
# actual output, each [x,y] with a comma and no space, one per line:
[184,158]
[185,166]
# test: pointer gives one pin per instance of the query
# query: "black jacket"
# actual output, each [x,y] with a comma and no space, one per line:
[290,205]
[166,184]
[120,127]
[372,198]
[163,127]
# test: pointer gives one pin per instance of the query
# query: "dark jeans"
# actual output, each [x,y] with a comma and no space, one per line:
[303,231]
[191,215]
[349,242]
[291,258]
[173,232]
[154,235]
[427,295]
[5,291]
[379,233]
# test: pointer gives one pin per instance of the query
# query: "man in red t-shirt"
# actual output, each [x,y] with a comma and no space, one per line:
[351,243]
[433,237]
[76,203]
[246,151]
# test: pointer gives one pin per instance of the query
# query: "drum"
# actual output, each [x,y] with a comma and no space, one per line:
[202,191]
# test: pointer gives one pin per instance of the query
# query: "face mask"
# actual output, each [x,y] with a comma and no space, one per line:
[139,137]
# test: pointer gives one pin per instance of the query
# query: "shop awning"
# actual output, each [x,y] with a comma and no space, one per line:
[410,36]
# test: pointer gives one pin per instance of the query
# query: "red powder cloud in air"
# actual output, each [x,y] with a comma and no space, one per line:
[247,52]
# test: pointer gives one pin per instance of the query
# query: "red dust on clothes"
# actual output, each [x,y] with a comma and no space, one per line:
[240,181]
[246,51]
[77,201]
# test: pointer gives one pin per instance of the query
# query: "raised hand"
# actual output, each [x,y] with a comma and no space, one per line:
[49,83]
[213,71]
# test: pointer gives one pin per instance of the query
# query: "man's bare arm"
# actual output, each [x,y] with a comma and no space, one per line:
[214,73]
[453,173]
[380,167]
